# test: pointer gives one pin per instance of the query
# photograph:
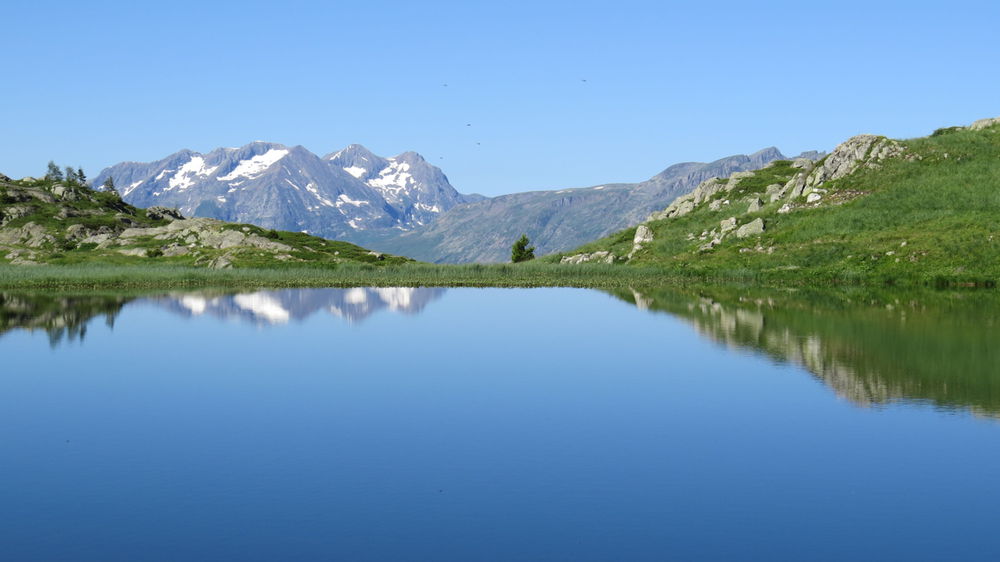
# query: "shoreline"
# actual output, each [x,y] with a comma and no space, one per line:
[97,276]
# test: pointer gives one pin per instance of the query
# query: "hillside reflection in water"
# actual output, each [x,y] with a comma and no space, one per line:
[871,348]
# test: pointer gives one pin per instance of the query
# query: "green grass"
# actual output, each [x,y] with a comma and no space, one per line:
[931,219]
[95,276]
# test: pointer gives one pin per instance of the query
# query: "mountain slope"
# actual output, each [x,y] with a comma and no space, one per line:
[416,190]
[878,208]
[553,220]
[290,188]
[42,221]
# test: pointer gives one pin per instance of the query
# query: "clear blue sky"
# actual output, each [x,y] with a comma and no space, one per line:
[95,83]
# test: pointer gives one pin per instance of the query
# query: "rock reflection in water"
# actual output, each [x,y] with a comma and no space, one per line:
[870,348]
[62,317]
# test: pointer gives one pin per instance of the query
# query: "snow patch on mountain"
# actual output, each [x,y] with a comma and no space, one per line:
[393,180]
[255,166]
[185,176]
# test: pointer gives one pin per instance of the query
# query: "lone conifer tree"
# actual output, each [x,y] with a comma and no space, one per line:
[70,174]
[520,251]
[81,177]
[109,186]
[54,173]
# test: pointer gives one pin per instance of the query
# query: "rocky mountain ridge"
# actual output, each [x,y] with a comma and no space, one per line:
[290,188]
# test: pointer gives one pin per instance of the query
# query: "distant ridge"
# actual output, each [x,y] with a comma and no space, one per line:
[555,220]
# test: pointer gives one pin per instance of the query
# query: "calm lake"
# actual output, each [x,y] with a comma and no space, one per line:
[500,424]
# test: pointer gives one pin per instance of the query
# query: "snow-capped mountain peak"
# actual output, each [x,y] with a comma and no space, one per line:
[290,188]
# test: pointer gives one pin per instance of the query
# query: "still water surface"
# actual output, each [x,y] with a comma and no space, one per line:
[472,424]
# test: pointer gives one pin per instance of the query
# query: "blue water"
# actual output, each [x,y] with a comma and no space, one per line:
[467,424]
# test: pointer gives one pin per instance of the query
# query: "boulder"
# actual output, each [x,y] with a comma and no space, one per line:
[727,225]
[643,236]
[684,208]
[175,250]
[99,239]
[751,228]
[755,205]
[223,239]
[774,192]
[222,262]
[598,257]
[157,213]
[795,186]
[13,212]
[4,178]
[78,232]
[31,235]
[710,244]
[136,252]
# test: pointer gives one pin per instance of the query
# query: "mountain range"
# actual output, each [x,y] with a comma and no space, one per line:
[290,188]
[400,204]
[555,220]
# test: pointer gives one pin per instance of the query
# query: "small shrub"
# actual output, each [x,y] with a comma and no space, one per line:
[154,253]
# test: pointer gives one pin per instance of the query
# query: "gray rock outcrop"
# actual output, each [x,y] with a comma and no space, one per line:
[158,212]
[984,123]
[643,236]
[727,225]
[751,228]
[596,257]
[867,150]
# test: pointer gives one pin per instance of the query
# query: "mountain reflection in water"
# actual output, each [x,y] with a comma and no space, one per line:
[65,317]
[282,306]
[871,348]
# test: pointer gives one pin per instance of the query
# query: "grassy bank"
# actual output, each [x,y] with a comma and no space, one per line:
[345,275]
[532,274]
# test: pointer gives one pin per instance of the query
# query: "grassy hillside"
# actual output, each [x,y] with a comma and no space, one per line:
[930,209]
[63,223]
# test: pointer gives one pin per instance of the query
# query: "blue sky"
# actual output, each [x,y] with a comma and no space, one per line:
[91,84]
